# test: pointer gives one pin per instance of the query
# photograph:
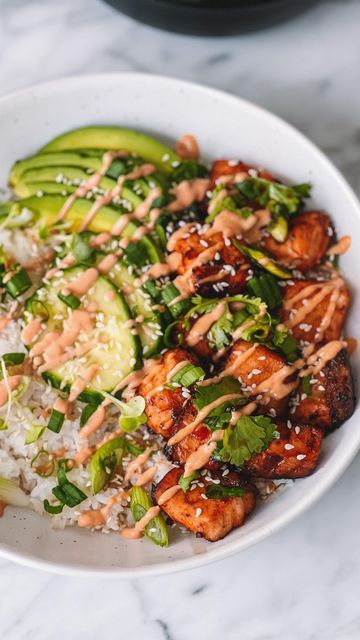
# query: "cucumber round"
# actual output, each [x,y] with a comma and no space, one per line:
[116,358]
[140,304]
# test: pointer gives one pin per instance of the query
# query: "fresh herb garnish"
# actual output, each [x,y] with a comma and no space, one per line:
[156,529]
[188,375]
[66,492]
[188,170]
[184,482]
[250,435]
[219,491]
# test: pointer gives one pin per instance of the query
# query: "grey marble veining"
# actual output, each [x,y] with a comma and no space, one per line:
[303,583]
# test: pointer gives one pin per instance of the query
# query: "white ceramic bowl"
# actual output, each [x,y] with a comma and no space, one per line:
[225,127]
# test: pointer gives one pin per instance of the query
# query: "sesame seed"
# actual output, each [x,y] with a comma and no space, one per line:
[301,456]
[289,446]
[297,430]
[198,512]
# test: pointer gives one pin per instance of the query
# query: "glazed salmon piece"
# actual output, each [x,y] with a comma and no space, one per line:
[224,268]
[228,168]
[294,455]
[332,396]
[307,328]
[306,244]
[163,406]
[208,517]
[261,364]
[180,452]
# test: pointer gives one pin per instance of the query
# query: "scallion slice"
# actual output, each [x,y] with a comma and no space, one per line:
[43,464]
[14,358]
[34,433]
[188,375]
[70,300]
[219,491]
[86,413]
[56,421]
[156,529]
[19,283]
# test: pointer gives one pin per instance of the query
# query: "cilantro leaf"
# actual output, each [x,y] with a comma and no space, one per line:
[205,395]
[233,203]
[188,170]
[279,199]
[250,435]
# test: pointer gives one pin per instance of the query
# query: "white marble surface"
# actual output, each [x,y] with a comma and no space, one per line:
[303,583]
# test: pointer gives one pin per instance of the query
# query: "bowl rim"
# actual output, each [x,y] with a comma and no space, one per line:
[325,481]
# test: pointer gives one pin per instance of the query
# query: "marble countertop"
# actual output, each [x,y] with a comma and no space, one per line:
[302,583]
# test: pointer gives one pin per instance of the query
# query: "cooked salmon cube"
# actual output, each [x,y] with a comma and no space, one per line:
[294,455]
[306,244]
[222,168]
[181,451]
[212,518]
[264,375]
[313,305]
[212,264]
[163,405]
[331,400]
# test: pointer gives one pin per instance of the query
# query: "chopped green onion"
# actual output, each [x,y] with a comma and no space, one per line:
[278,228]
[34,433]
[306,387]
[56,421]
[66,492]
[168,294]
[185,481]
[70,300]
[14,358]
[134,449]
[37,309]
[18,283]
[3,425]
[86,413]
[105,462]
[43,464]
[219,491]
[263,260]
[156,529]
[188,375]
[53,508]
[169,341]
[11,493]
[129,424]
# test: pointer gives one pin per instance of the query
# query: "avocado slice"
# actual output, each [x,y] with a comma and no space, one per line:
[53,173]
[47,208]
[85,160]
[116,138]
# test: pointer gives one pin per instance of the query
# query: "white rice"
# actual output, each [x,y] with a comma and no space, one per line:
[26,409]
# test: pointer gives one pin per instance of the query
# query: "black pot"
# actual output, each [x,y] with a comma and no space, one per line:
[211,17]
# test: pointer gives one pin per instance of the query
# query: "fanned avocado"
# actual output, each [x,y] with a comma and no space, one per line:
[115,138]
[84,160]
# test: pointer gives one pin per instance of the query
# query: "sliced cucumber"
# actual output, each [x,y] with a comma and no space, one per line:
[140,304]
[116,358]
[115,138]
